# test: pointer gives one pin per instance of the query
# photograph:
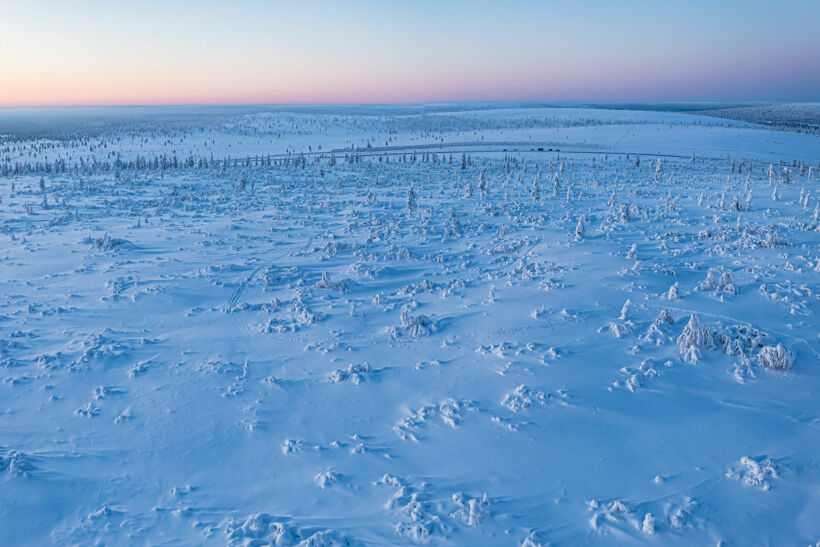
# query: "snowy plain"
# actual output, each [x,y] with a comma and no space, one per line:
[398,326]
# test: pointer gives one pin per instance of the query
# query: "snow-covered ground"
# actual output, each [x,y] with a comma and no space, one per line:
[215,330]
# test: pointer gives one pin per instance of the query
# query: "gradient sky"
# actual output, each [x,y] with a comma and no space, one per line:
[94,52]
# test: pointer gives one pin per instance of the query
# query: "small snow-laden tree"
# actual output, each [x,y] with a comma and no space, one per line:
[673,293]
[624,213]
[719,280]
[482,185]
[648,525]
[535,191]
[658,170]
[736,204]
[453,225]
[771,174]
[775,358]
[695,337]
[463,161]
[625,310]
[637,161]
[556,187]
[632,254]
[241,183]
[579,229]
[411,199]
[468,191]
[785,177]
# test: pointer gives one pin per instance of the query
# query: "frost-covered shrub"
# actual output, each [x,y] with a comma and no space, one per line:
[579,229]
[416,325]
[16,464]
[775,358]
[625,310]
[664,317]
[106,242]
[694,338]
[719,280]
[753,472]
[471,511]
[354,373]
[326,283]
[523,397]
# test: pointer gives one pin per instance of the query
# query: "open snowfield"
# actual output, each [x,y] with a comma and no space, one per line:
[398,325]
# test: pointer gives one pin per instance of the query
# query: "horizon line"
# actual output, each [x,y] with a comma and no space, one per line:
[545,102]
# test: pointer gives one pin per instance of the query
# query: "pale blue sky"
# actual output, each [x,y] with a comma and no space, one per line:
[98,52]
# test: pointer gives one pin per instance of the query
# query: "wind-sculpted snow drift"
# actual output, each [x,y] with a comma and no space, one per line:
[507,326]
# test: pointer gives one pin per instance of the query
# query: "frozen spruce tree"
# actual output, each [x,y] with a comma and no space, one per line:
[468,191]
[579,229]
[695,337]
[411,199]
[658,170]
[535,192]
[785,177]
[482,185]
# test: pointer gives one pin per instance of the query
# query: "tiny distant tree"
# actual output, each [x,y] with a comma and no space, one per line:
[535,191]
[784,176]
[579,229]
[658,170]
[411,199]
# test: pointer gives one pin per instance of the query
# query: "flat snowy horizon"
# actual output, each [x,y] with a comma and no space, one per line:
[453,325]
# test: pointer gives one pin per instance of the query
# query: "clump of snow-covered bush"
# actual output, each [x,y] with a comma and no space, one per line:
[719,280]
[416,325]
[775,357]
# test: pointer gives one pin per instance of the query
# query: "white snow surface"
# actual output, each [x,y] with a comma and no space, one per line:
[267,346]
